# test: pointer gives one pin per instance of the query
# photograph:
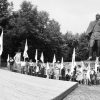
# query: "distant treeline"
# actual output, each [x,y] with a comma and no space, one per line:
[41,32]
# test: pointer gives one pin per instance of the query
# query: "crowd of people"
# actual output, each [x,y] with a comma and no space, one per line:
[39,69]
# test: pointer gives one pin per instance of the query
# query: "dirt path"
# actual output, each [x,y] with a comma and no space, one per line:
[84,92]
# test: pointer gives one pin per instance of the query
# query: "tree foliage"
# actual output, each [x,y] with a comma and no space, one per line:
[41,32]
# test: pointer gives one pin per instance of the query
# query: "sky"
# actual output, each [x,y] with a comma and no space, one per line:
[72,15]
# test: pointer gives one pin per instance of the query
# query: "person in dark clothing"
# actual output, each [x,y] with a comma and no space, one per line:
[26,67]
[30,67]
[74,75]
[93,77]
[42,71]
[68,75]
[51,74]
[11,61]
[63,73]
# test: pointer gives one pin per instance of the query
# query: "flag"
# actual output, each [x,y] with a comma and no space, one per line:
[96,64]
[1,43]
[88,72]
[25,55]
[73,64]
[54,60]
[82,66]
[36,56]
[17,57]
[8,61]
[62,61]
[42,57]
[8,58]
[47,68]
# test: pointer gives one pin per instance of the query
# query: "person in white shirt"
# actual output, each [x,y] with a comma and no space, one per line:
[57,70]
[79,74]
[23,63]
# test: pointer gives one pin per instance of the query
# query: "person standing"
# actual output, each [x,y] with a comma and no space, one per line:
[31,64]
[23,64]
[26,69]
[42,70]
[63,71]
[79,74]
[57,70]
[11,62]
[68,76]
[92,76]
[98,77]
[17,61]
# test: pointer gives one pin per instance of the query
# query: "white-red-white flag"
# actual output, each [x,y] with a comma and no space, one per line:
[62,63]
[8,61]
[54,60]
[47,66]
[25,55]
[1,43]
[73,64]
[42,57]
[8,58]
[88,72]
[36,56]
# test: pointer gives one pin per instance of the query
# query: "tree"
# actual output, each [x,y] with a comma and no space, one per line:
[82,48]
[4,12]
[41,32]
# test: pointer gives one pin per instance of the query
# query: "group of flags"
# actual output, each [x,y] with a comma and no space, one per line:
[25,55]
[73,64]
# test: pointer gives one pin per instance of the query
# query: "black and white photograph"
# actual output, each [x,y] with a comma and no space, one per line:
[49,49]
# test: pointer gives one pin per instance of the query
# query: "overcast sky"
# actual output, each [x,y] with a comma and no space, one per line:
[72,15]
